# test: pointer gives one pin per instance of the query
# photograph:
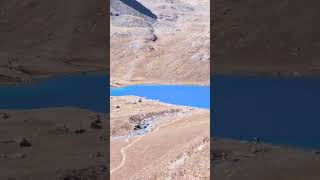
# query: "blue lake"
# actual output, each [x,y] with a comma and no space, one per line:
[187,95]
[89,91]
[278,110]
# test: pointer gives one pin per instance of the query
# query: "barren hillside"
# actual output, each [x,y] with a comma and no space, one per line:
[258,36]
[175,144]
[244,160]
[160,41]
[60,144]
[43,37]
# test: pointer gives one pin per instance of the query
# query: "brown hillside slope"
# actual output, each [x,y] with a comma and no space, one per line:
[172,49]
[258,36]
[240,160]
[43,37]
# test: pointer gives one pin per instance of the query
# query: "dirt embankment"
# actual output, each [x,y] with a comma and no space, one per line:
[266,37]
[165,42]
[41,38]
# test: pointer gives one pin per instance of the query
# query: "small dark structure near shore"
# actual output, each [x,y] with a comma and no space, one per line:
[25,143]
[97,124]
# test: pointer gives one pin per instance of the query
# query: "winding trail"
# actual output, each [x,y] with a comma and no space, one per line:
[136,140]
[124,155]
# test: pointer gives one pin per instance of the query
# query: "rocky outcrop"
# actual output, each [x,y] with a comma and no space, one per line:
[136,119]
[131,13]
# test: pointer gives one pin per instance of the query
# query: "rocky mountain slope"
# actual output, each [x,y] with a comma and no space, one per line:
[160,41]
[40,38]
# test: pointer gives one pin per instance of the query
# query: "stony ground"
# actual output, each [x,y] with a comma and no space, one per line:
[177,147]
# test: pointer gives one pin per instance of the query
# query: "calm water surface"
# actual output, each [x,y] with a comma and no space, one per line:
[187,95]
[84,91]
[90,91]
[279,110]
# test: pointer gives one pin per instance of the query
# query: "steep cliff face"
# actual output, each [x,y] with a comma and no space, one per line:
[160,42]
[41,37]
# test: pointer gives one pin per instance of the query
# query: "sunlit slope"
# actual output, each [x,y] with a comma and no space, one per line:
[160,42]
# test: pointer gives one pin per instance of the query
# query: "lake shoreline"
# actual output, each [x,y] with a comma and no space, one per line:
[182,95]
[244,160]
[261,142]
[62,129]
[40,78]
[163,144]
[168,104]
[275,74]
[119,83]
[265,124]
[88,91]
[267,107]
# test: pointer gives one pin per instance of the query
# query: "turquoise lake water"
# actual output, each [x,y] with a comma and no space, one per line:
[278,110]
[187,95]
[91,91]
[88,91]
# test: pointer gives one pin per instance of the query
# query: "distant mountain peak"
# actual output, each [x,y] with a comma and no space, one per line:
[133,8]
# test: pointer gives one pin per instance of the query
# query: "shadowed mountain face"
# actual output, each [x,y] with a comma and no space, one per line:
[131,13]
[159,41]
[139,7]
